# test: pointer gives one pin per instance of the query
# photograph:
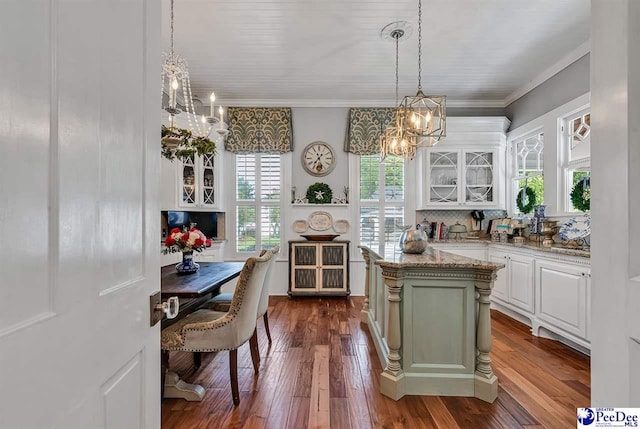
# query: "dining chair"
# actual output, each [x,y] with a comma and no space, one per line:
[222,301]
[212,331]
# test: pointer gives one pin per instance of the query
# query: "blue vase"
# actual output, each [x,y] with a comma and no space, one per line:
[538,211]
[187,266]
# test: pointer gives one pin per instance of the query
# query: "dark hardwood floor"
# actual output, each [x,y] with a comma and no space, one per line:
[322,355]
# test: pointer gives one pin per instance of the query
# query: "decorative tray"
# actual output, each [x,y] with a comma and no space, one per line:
[320,237]
[575,228]
[320,221]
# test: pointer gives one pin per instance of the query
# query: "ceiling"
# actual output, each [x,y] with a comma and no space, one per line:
[330,52]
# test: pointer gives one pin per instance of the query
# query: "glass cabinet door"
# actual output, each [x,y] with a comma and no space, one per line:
[479,177]
[443,177]
[188,182]
[208,179]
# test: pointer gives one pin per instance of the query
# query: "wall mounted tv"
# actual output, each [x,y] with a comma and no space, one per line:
[207,222]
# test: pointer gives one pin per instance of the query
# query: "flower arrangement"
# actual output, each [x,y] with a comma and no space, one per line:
[186,240]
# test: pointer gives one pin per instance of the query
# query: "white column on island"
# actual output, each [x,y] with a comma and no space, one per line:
[364,313]
[486,384]
[392,378]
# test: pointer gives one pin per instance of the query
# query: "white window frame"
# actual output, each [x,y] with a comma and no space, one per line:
[257,204]
[379,204]
[515,176]
[568,166]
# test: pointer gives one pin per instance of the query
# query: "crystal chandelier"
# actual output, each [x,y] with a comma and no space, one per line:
[175,74]
[393,139]
[423,116]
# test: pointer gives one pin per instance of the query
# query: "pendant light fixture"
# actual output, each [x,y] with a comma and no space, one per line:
[175,75]
[393,139]
[423,116]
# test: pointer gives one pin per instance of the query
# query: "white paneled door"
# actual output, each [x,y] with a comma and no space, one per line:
[79,172]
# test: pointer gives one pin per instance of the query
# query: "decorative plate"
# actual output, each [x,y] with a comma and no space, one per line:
[341,226]
[318,237]
[300,226]
[575,228]
[320,221]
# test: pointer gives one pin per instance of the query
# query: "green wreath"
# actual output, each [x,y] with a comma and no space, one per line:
[531,200]
[581,195]
[319,193]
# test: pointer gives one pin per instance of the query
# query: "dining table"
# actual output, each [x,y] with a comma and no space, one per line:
[192,291]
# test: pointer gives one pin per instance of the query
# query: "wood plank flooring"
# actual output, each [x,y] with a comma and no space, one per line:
[322,371]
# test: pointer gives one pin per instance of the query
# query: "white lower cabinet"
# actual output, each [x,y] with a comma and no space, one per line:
[475,252]
[562,294]
[514,284]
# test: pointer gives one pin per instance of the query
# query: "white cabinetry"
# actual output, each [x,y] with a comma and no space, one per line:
[462,249]
[198,182]
[514,285]
[461,178]
[470,171]
[562,294]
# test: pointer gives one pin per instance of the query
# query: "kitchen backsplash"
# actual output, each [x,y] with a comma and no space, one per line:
[450,217]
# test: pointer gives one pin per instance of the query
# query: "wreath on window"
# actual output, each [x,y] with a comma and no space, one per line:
[581,195]
[526,199]
[319,193]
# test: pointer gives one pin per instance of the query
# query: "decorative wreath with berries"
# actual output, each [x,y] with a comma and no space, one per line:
[581,195]
[526,199]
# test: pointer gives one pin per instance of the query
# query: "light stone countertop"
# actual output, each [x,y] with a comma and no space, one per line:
[556,248]
[433,258]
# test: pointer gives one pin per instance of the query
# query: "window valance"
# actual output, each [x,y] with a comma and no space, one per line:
[259,130]
[365,127]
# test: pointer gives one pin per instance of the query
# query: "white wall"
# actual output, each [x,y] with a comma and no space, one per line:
[615,155]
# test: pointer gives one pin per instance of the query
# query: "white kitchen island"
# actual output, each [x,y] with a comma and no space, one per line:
[429,318]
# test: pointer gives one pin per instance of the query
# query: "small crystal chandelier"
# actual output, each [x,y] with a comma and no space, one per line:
[393,139]
[175,74]
[423,116]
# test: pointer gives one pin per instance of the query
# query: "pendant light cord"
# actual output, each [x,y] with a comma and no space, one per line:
[419,45]
[171,27]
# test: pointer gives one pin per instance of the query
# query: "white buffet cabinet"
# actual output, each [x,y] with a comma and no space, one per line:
[548,290]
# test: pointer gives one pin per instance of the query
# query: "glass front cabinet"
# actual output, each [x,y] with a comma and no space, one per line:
[461,177]
[198,182]
[319,268]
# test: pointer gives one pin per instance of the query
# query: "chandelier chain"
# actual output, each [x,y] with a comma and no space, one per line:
[419,44]
[171,27]
[397,40]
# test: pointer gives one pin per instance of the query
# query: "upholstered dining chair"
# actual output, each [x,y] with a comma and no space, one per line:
[222,301]
[212,331]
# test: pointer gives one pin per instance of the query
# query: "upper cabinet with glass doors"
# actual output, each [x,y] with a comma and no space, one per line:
[198,182]
[467,168]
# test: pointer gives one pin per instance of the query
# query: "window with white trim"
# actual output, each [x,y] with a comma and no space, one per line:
[576,157]
[528,164]
[258,203]
[381,202]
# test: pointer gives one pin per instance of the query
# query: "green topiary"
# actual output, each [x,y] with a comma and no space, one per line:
[531,199]
[180,143]
[319,193]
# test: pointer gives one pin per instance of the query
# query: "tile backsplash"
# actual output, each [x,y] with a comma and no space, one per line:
[450,217]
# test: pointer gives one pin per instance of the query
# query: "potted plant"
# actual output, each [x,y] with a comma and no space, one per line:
[178,143]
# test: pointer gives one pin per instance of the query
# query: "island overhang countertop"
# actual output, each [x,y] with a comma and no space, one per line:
[433,258]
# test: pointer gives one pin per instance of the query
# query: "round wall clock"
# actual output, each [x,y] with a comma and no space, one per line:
[318,159]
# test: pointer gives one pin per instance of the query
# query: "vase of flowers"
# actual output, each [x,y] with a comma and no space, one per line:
[186,241]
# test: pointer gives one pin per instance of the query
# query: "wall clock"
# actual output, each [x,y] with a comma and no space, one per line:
[318,159]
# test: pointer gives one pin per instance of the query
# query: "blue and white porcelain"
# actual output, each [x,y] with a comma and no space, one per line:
[188,265]
[575,228]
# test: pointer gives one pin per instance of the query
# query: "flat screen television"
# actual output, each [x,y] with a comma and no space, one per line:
[207,222]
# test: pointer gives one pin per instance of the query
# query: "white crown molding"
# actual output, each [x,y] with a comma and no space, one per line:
[566,61]
[346,103]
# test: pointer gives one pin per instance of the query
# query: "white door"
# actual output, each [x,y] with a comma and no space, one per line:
[79,171]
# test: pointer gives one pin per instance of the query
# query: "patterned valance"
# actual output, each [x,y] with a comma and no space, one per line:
[365,127]
[259,130]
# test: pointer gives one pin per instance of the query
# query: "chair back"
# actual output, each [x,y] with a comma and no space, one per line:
[244,305]
[263,305]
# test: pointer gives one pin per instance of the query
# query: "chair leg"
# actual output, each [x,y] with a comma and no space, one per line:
[233,374]
[197,359]
[164,367]
[265,318]
[255,354]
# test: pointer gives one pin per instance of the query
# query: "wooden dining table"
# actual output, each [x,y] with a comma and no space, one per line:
[195,289]
[192,290]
